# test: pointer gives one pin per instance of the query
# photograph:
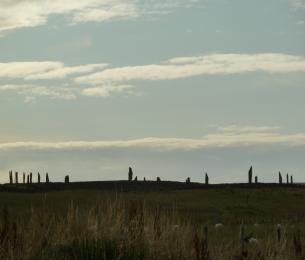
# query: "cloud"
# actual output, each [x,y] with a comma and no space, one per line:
[44,70]
[216,140]
[213,64]
[247,129]
[15,14]
[32,91]
[118,10]
[65,71]
[298,3]
[100,80]
[25,69]
[104,91]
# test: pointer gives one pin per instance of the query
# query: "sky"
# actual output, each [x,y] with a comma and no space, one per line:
[172,88]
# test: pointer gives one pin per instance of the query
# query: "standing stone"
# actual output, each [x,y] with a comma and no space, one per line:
[207,178]
[28,178]
[16,177]
[158,179]
[67,179]
[11,176]
[38,177]
[287,178]
[31,177]
[280,178]
[130,173]
[256,179]
[47,178]
[23,178]
[250,175]
[291,179]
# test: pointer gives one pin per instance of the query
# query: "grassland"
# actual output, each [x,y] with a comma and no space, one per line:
[164,222]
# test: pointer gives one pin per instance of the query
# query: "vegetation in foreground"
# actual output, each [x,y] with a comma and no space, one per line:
[94,225]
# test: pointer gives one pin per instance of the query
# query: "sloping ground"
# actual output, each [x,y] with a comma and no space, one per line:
[213,203]
[100,185]
[165,220]
[130,186]
[91,224]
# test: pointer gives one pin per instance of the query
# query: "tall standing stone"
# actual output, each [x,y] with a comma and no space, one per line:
[206,179]
[250,175]
[11,176]
[16,177]
[130,174]
[287,178]
[23,178]
[38,177]
[280,178]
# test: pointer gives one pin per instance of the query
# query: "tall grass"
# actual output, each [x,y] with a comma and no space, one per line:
[120,229]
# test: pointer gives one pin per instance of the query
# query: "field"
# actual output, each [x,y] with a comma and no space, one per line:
[121,220]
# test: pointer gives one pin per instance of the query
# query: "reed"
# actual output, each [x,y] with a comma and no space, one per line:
[116,228]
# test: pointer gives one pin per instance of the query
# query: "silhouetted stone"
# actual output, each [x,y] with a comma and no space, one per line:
[136,178]
[28,179]
[38,177]
[250,175]
[16,177]
[23,178]
[291,179]
[158,179]
[31,177]
[256,180]
[11,176]
[130,174]
[188,180]
[287,178]
[47,178]
[144,179]
[207,178]
[280,178]
[67,179]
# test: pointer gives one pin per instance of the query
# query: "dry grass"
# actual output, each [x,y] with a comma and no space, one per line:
[122,229]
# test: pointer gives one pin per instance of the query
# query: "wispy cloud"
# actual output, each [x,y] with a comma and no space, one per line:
[247,129]
[101,80]
[15,14]
[298,3]
[104,91]
[215,140]
[44,70]
[63,72]
[32,91]
[214,64]
[26,69]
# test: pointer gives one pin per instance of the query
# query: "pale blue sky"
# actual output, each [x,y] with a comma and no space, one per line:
[173,88]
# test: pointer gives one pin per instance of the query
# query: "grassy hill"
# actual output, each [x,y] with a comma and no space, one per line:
[137,220]
[221,202]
